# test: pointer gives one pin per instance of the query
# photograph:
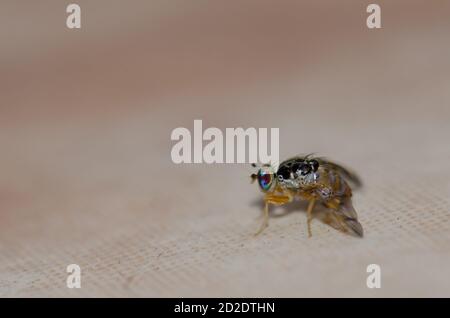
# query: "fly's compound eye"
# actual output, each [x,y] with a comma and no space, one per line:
[265,179]
[314,165]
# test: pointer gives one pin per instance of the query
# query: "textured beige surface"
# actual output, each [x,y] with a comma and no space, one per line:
[85,169]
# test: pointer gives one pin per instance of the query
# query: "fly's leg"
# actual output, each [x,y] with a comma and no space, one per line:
[311,204]
[275,200]
[265,220]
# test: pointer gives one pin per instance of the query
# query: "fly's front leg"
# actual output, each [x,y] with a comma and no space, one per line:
[265,220]
[311,204]
[272,199]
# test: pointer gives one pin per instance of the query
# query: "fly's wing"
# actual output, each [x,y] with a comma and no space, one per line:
[341,213]
[346,173]
[344,217]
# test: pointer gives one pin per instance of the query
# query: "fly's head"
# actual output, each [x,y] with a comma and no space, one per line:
[265,176]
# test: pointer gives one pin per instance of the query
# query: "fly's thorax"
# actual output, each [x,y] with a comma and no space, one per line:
[297,174]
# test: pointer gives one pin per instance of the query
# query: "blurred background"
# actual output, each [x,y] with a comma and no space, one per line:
[86,175]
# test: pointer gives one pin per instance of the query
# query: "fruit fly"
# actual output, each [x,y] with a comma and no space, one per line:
[316,180]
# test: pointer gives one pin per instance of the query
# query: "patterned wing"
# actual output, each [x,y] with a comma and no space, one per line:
[346,173]
[343,217]
[336,195]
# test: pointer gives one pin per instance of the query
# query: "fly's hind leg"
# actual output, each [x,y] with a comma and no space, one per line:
[275,200]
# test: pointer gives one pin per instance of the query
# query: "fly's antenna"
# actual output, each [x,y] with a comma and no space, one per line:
[257,165]
[254,176]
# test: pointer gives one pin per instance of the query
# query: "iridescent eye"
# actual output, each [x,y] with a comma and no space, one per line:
[265,179]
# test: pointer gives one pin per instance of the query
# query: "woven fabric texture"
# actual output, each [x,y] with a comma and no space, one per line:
[86,175]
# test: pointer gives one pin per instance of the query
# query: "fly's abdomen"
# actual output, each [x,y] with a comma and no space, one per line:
[332,185]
